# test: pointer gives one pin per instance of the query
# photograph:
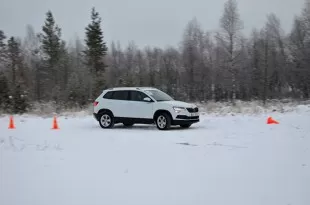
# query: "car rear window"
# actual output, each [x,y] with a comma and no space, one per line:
[120,95]
[108,95]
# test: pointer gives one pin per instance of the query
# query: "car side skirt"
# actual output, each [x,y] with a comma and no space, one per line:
[181,121]
[133,120]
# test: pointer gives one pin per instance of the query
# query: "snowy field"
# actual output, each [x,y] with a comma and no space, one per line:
[223,160]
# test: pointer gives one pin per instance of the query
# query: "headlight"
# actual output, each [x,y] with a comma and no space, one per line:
[179,109]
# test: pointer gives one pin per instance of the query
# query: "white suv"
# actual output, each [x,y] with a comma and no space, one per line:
[140,105]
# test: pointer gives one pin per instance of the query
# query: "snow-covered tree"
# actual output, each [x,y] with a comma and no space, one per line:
[231,26]
[95,52]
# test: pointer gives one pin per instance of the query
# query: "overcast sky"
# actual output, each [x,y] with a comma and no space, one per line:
[147,22]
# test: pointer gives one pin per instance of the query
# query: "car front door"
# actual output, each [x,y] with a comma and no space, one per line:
[138,107]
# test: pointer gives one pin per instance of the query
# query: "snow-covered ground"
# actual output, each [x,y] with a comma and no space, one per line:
[223,160]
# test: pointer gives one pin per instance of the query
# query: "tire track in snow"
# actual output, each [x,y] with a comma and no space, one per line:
[19,145]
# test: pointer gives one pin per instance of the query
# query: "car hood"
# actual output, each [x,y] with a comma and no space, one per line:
[179,104]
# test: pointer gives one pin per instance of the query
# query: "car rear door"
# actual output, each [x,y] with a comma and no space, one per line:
[120,103]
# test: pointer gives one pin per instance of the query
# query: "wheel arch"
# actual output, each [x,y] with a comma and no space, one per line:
[102,111]
[158,112]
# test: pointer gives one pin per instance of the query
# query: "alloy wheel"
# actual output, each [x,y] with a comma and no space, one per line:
[105,120]
[161,122]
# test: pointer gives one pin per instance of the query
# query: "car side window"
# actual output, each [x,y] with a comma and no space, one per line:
[108,95]
[120,95]
[137,96]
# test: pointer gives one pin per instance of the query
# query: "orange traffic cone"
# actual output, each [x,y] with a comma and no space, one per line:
[55,124]
[11,125]
[270,120]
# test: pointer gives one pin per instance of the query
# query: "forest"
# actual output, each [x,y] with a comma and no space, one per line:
[225,65]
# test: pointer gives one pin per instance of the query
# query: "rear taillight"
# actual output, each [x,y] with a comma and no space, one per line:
[96,103]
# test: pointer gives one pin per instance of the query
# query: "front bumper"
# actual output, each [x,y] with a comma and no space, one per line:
[184,119]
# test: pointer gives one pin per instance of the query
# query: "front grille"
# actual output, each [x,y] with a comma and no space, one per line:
[191,110]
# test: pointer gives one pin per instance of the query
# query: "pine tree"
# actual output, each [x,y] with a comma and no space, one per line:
[14,57]
[73,90]
[52,47]
[95,52]
[63,74]
[2,38]
[51,41]
[4,93]
[33,59]
[2,43]
[2,49]
[20,101]
[18,82]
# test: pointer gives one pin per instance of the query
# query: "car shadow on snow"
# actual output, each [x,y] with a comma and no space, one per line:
[151,127]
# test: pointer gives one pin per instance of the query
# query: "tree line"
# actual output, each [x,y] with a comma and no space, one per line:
[220,66]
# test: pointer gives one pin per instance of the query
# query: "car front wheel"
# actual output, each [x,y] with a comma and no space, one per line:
[163,121]
[106,120]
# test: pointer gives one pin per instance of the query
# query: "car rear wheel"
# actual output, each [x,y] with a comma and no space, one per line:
[106,120]
[163,121]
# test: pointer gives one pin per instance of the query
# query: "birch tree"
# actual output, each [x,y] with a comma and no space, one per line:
[231,26]
[300,51]
[192,51]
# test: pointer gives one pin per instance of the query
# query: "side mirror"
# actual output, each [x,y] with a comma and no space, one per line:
[147,99]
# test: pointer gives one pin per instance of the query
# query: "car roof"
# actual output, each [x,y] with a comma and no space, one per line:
[131,88]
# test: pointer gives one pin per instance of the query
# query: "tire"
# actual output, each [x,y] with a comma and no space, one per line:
[128,124]
[163,121]
[106,120]
[186,125]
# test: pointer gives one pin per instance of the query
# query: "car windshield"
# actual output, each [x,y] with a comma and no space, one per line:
[159,95]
